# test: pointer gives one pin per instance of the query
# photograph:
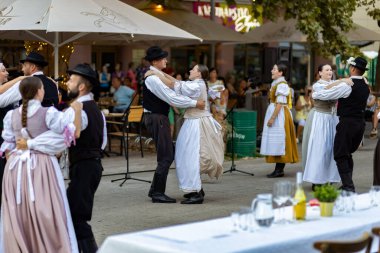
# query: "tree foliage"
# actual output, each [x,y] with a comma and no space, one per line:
[323,21]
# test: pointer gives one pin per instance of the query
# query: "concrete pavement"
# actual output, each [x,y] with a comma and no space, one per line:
[128,208]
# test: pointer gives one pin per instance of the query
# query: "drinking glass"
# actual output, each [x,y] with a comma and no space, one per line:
[374,194]
[235,221]
[245,218]
[348,201]
[339,204]
[282,191]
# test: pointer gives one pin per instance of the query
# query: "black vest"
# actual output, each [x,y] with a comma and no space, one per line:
[354,105]
[51,92]
[89,144]
[153,104]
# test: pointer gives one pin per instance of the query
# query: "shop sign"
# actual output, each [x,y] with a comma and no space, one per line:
[241,16]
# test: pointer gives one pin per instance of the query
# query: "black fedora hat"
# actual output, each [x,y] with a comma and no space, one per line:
[35,58]
[359,63]
[155,53]
[85,71]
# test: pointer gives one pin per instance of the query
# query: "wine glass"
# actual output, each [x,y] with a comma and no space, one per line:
[281,193]
[292,200]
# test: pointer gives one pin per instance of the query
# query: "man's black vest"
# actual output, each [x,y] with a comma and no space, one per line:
[153,104]
[51,92]
[354,105]
[89,144]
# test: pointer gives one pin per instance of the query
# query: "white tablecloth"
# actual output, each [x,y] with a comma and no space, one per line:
[217,236]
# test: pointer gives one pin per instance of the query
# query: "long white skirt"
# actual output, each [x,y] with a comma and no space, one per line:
[199,149]
[320,166]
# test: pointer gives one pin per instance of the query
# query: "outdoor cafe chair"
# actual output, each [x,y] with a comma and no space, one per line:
[133,114]
[362,243]
[376,231]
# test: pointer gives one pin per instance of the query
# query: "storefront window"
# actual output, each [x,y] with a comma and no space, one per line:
[247,61]
[298,78]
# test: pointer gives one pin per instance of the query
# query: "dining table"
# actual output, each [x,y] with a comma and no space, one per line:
[218,235]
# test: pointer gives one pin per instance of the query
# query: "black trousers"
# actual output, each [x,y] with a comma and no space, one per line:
[159,127]
[349,135]
[376,165]
[84,180]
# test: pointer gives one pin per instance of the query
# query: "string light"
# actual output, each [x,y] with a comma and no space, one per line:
[65,53]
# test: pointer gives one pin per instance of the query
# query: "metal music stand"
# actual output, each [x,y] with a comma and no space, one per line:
[127,174]
[233,166]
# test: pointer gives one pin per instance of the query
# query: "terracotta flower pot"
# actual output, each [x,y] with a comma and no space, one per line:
[326,208]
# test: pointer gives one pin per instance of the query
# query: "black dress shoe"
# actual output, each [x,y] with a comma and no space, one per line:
[195,199]
[191,194]
[276,173]
[162,198]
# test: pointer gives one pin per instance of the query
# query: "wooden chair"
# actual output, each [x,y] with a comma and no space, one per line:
[376,231]
[134,114]
[364,242]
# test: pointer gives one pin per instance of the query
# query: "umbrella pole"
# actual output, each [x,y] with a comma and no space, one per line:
[56,52]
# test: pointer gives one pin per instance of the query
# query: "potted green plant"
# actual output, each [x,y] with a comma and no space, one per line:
[326,195]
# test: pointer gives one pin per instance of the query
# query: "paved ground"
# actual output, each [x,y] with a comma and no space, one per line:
[127,208]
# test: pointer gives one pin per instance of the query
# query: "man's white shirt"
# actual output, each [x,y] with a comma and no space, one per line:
[163,92]
[12,95]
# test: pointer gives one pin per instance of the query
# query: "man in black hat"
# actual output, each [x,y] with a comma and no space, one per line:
[157,98]
[352,101]
[33,66]
[85,165]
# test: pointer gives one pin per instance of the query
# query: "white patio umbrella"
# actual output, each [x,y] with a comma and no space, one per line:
[286,31]
[59,22]
[208,30]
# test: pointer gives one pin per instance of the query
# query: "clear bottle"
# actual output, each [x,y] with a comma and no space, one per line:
[299,209]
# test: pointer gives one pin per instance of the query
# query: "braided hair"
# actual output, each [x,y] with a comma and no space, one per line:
[28,90]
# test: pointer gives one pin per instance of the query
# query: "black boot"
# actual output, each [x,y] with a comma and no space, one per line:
[197,198]
[87,245]
[190,194]
[278,171]
[347,183]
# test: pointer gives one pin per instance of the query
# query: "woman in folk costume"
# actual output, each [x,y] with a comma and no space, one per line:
[278,142]
[35,215]
[199,147]
[319,133]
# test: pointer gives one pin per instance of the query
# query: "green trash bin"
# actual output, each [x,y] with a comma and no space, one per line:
[244,132]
